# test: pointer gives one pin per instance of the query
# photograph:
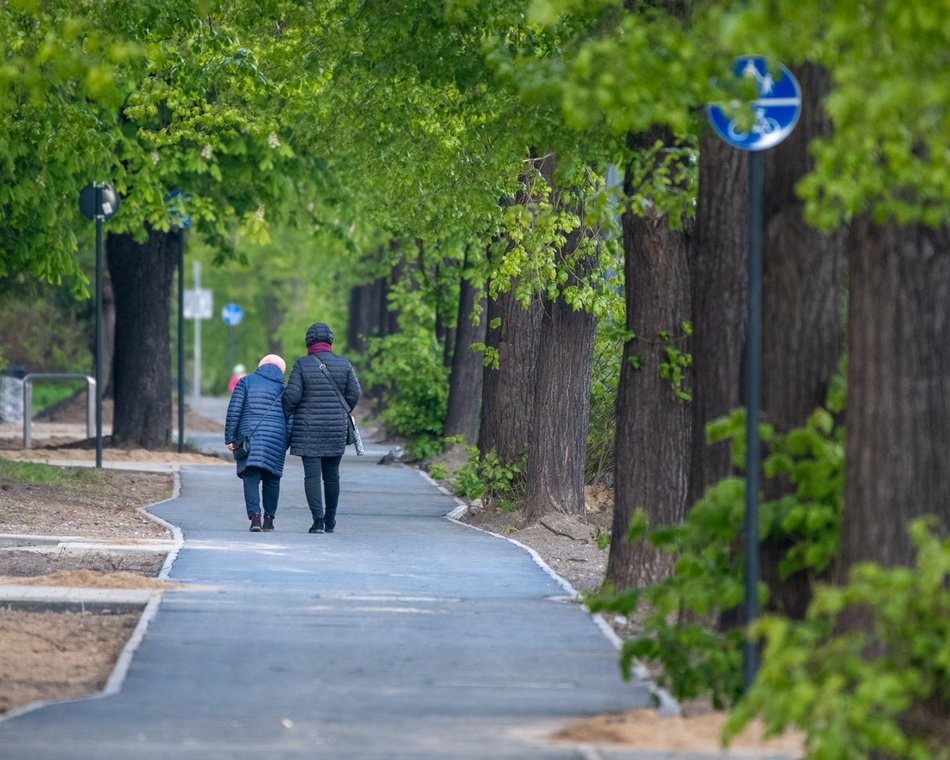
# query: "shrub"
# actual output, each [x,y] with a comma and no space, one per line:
[882,685]
[681,627]
[408,367]
[486,478]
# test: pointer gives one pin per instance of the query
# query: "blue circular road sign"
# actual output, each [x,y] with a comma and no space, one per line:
[776,108]
[232,314]
[176,215]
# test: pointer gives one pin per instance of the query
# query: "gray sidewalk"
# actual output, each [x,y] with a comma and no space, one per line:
[401,635]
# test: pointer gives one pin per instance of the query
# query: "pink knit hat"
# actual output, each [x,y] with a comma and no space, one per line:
[275,360]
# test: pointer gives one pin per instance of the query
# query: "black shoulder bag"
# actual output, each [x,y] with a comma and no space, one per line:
[352,432]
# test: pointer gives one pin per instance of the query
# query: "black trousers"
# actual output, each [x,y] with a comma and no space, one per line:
[321,483]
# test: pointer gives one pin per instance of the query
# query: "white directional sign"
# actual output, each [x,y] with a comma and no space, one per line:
[776,109]
[197,303]
[232,314]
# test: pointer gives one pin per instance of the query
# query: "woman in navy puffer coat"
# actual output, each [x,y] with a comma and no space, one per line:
[255,409]
[320,421]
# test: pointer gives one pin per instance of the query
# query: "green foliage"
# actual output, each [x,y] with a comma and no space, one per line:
[408,367]
[602,417]
[550,247]
[283,286]
[680,628]
[486,478]
[634,66]
[869,670]
[677,361]
[46,331]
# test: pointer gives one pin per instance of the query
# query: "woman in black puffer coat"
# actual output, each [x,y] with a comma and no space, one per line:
[255,409]
[320,422]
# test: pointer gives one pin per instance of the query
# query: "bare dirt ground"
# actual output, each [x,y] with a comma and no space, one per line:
[54,655]
[57,655]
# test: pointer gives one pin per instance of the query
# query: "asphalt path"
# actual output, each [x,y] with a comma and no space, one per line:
[404,634]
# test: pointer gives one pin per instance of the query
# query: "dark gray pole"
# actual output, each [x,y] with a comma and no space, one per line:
[181,339]
[752,366]
[98,325]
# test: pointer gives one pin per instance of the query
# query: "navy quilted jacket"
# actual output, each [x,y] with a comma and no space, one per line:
[320,422]
[256,399]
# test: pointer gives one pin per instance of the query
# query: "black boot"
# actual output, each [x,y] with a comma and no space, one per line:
[318,526]
[330,520]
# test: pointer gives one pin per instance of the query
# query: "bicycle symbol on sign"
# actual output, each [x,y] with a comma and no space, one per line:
[764,125]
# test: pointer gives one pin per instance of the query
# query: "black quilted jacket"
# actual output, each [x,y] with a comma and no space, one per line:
[319,418]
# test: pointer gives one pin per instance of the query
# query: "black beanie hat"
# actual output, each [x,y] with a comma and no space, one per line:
[319,333]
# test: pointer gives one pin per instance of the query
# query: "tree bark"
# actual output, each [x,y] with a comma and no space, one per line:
[367,316]
[465,380]
[558,447]
[653,426]
[142,276]
[802,302]
[508,392]
[718,304]
[275,309]
[898,413]
[802,275]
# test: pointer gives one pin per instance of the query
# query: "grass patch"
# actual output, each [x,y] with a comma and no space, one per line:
[35,473]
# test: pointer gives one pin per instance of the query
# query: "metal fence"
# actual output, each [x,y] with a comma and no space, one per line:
[57,376]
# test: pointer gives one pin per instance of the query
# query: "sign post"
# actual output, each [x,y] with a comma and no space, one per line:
[232,314]
[177,218]
[98,201]
[775,111]
[197,307]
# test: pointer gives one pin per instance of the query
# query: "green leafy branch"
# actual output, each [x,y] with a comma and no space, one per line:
[854,692]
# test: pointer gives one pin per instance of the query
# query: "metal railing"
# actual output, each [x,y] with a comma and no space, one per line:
[56,376]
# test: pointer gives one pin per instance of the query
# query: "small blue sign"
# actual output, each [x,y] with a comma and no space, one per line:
[176,216]
[776,109]
[232,314]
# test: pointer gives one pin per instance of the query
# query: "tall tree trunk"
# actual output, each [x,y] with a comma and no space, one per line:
[514,333]
[275,309]
[558,446]
[653,426]
[898,413]
[367,315]
[465,380]
[508,391]
[142,276]
[802,300]
[718,303]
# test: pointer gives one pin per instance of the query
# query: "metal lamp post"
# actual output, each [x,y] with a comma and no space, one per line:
[181,221]
[98,201]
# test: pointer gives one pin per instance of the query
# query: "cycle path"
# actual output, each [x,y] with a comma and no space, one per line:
[401,635]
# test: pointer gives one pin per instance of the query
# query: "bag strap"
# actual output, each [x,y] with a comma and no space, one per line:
[333,384]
